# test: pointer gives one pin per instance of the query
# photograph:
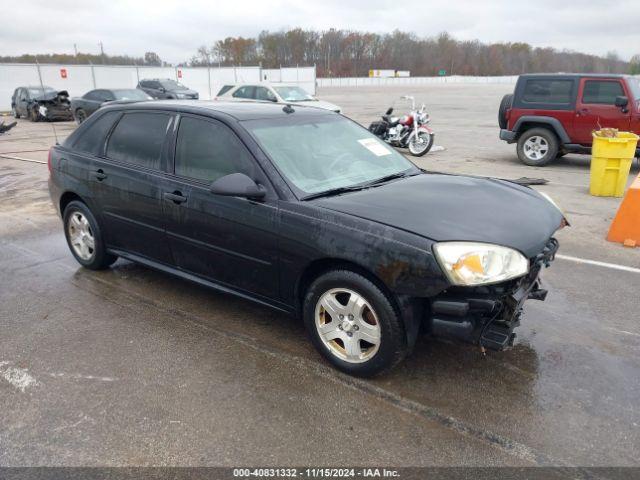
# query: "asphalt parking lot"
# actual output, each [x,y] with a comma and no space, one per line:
[133,367]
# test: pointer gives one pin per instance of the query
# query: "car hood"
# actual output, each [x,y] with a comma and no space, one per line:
[457,208]
[318,104]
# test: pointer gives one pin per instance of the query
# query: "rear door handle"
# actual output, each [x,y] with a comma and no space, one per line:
[100,175]
[175,197]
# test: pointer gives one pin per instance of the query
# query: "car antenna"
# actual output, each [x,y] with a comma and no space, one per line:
[288,109]
[55,133]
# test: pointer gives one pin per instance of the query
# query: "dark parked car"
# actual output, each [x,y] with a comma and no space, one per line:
[307,212]
[167,89]
[91,101]
[550,115]
[41,103]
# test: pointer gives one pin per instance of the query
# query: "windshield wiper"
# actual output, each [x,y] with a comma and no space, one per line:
[390,177]
[334,191]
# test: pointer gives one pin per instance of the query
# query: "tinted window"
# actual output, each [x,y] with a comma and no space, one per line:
[263,93]
[138,139]
[244,92]
[548,91]
[92,139]
[209,150]
[598,91]
[97,95]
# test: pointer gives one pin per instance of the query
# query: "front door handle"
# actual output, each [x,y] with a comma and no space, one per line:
[100,175]
[175,197]
[583,111]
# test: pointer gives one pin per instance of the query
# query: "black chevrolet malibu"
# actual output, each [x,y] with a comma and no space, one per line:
[305,211]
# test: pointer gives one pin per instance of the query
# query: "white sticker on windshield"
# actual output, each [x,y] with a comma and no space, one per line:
[374,146]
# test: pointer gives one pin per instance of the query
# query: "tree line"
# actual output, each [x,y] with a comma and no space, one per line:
[149,59]
[352,53]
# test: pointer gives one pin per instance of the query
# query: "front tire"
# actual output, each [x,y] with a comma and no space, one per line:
[84,237]
[537,147]
[420,145]
[81,116]
[354,324]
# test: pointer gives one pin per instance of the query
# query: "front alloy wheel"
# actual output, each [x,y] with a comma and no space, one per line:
[347,325]
[353,323]
[419,145]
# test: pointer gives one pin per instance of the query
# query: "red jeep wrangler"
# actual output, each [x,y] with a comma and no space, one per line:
[550,115]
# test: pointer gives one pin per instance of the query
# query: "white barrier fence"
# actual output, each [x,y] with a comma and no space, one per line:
[393,81]
[79,79]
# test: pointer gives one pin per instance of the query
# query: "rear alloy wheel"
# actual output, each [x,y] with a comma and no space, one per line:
[421,144]
[85,238]
[81,116]
[353,323]
[537,147]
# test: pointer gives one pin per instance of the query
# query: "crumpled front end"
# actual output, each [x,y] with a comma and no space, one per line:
[52,107]
[488,315]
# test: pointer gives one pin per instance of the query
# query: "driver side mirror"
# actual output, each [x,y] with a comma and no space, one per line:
[621,101]
[237,185]
[389,111]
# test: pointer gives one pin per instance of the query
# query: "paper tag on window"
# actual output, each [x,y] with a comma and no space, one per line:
[374,147]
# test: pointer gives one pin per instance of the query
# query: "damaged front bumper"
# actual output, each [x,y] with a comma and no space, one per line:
[488,315]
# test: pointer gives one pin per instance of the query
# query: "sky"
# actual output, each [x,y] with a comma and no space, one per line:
[176,29]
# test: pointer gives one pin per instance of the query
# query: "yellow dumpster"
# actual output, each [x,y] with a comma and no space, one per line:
[611,157]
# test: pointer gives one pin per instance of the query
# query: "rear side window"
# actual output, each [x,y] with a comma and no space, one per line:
[263,93]
[552,91]
[138,139]
[225,89]
[603,92]
[244,92]
[208,150]
[92,139]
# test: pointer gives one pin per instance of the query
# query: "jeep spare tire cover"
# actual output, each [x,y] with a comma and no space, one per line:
[505,104]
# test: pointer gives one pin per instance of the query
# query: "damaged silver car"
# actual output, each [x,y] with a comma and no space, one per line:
[41,103]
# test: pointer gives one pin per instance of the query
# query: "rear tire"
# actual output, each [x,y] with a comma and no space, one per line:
[84,237]
[537,147]
[505,104]
[359,331]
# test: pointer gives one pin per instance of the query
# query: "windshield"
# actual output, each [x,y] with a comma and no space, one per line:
[37,91]
[634,85]
[172,85]
[321,153]
[293,94]
[132,94]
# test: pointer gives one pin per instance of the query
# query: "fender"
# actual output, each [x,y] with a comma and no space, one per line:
[425,128]
[554,123]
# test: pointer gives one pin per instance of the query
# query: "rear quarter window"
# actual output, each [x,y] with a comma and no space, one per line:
[548,91]
[91,140]
[138,139]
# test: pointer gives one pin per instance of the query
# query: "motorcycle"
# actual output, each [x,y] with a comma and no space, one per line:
[409,131]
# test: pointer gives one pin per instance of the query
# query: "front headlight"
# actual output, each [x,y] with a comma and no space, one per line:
[468,263]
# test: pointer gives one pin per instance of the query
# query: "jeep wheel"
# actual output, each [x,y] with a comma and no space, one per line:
[537,147]
[505,104]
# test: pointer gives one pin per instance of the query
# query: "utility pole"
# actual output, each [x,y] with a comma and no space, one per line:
[75,49]
[101,51]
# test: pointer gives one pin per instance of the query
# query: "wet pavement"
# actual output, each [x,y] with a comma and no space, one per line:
[134,367]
